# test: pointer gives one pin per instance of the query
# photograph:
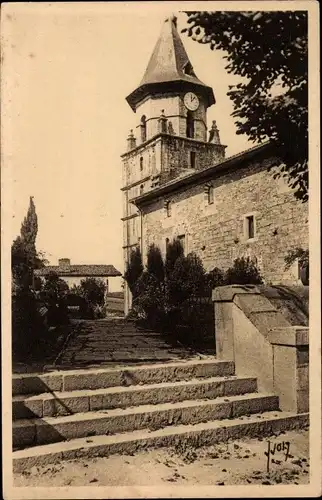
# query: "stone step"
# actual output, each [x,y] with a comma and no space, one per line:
[31,432]
[202,434]
[66,403]
[116,376]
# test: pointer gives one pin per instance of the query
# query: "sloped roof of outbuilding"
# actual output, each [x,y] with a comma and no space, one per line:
[86,270]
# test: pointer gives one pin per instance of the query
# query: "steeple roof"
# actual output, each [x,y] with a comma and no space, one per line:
[169,66]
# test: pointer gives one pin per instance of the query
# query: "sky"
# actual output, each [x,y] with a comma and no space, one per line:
[68,69]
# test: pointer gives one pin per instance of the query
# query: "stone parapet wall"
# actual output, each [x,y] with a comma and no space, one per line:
[253,334]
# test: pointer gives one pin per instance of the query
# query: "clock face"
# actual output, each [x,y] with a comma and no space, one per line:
[191,101]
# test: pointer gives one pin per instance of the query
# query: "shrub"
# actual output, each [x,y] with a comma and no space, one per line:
[134,270]
[27,324]
[93,290]
[214,278]
[243,272]
[149,303]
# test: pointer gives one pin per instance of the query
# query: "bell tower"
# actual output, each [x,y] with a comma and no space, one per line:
[170,138]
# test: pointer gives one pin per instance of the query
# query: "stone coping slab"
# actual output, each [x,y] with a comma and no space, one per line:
[228,292]
[291,336]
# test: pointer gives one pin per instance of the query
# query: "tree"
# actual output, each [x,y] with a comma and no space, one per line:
[29,228]
[24,256]
[93,290]
[269,50]
[155,265]
[187,280]
[134,269]
[173,252]
[27,323]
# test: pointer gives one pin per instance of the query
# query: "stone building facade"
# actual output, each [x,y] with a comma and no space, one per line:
[178,184]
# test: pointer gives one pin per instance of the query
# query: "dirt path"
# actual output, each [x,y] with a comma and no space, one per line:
[241,462]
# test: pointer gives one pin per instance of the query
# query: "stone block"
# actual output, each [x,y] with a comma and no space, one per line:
[239,386]
[228,292]
[303,377]
[224,331]
[26,384]
[27,408]
[302,356]
[303,401]
[253,303]
[91,380]
[289,335]
[254,405]
[23,434]
[266,321]
[65,406]
[285,380]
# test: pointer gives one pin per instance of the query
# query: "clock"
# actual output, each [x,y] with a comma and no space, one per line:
[191,101]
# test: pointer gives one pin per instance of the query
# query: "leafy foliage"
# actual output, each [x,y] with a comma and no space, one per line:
[269,50]
[296,254]
[173,252]
[186,280]
[243,272]
[215,278]
[53,295]
[155,264]
[134,269]
[174,296]
[54,288]
[93,290]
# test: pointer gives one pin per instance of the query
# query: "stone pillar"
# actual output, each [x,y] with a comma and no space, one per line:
[291,367]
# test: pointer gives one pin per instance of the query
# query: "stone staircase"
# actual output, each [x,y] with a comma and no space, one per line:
[86,413]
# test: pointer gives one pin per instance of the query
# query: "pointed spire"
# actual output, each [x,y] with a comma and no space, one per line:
[214,137]
[169,65]
[131,141]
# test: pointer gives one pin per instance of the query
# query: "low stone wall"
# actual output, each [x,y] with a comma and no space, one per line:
[261,342]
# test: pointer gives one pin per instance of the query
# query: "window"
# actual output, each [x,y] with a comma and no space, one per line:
[210,195]
[168,208]
[167,243]
[141,189]
[182,239]
[188,69]
[192,159]
[190,125]
[250,227]
[143,128]
[141,163]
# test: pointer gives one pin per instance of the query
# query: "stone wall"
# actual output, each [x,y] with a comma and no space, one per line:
[216,232]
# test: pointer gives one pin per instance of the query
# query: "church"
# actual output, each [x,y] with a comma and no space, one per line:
[178,183]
